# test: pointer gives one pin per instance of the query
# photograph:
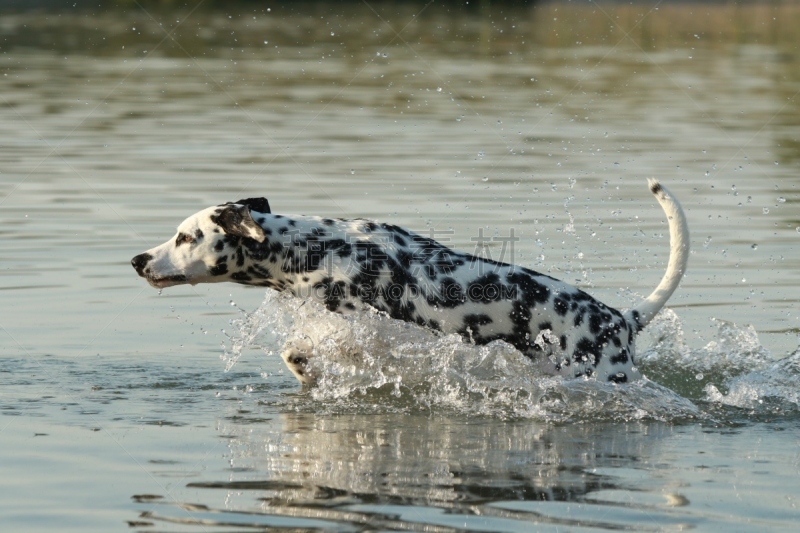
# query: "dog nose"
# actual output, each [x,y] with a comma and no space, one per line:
[140,261]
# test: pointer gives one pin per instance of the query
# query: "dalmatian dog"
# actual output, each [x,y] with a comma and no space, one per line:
[349,264]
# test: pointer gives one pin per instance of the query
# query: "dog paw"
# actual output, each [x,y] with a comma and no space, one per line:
[296,355]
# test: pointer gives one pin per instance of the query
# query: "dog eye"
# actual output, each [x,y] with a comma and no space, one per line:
[183,238]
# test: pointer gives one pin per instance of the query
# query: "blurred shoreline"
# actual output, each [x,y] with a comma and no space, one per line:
[98,29]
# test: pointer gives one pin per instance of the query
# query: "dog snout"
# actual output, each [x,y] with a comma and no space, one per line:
[140,261]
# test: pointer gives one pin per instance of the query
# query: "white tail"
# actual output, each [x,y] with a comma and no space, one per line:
[642,314]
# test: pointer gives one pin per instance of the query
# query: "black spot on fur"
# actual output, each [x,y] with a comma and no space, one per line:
[532,291]
[221,268]
[471,327]
[258,271]
[586,351]
[451,294]
[477,319]
[655,188]
[560,306]
[621,358]
[242,277]
[595,323]
[487,289]
[397,230]
[520,336]
[637,318]
[405,258]
[619,377]
[333,292]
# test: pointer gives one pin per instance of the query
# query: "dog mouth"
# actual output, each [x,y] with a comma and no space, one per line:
[166,281]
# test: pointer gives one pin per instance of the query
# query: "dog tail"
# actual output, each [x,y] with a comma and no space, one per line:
[642,314]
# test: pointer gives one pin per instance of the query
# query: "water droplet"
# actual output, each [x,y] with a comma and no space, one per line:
[699,376]
[484,178]
[781,199]
[332,34]
[352,171]
[438,89]
[754,247]
[765,210]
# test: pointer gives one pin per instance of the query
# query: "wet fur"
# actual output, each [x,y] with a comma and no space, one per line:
[347,264]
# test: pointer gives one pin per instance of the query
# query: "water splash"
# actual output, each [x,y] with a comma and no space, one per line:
[368,362]
[773,388]
[733,370]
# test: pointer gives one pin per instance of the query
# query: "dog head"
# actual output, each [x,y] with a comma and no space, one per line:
[204,245]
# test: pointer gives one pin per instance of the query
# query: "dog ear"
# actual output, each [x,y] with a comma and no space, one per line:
[236,220]
[259,205]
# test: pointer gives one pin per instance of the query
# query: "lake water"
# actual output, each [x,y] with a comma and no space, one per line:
[126,409]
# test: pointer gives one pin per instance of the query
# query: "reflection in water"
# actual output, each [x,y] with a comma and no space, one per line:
[403,472]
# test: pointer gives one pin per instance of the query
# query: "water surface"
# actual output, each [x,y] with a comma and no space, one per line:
[118,409]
